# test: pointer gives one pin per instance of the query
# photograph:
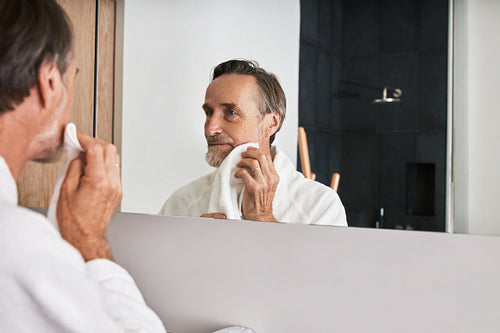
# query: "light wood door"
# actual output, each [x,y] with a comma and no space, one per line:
[38,180]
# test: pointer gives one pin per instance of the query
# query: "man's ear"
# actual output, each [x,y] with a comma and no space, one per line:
[273,123]
[49,85]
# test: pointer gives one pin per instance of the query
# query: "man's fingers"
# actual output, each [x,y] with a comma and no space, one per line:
[258,155]
[95,166]
[221,216]
[102,167]
[94,152]
[85,140]
[244,174]
[112,163]
[73,174]
[253,167]
[261,180]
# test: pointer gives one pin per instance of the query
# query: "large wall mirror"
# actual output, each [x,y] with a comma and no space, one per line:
[335,60]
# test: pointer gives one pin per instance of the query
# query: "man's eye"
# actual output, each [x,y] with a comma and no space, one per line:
[231,112]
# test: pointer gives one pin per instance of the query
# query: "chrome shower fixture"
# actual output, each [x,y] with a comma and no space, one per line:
[396,93]
[389,95]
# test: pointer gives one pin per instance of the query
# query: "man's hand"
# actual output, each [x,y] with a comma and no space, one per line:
[221,216]
[261,180]
[89,195]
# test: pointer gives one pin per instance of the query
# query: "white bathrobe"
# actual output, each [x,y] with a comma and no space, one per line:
[297,199]
[46,286]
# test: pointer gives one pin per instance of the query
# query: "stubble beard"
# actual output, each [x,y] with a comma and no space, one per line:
[53,144]
[53,151]
[217,154]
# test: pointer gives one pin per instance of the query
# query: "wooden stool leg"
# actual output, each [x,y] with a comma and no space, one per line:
[335,182]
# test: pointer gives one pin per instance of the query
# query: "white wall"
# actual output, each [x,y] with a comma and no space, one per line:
[477,117]
[169,50]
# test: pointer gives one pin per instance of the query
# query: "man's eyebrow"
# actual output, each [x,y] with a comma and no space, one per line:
[207,106]
[231,106]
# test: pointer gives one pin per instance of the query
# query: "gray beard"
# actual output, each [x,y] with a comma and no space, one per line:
[214,157]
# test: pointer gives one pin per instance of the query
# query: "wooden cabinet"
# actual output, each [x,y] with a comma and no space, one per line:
[91,88]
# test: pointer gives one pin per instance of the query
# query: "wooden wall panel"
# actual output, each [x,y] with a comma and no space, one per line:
[82,14]
[105,70]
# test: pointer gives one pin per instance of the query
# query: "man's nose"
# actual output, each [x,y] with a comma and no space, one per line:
[213,125]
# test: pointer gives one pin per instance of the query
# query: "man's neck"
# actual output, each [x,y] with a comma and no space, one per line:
[14,142]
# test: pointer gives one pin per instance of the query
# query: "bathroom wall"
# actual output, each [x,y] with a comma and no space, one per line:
[476,117]
[390,156]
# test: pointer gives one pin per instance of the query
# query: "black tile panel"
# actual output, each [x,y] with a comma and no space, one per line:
[394,218]
[358,115]
[334,156]
[323,90]
[307,84]
[395,151]
[358,172]
[432,90]
[364,218]
[361,32]
[321,164]
[325,23]
[433,25]
[335,123]
[356,112]
[312,139]
[361,71]
[336,74]
[430,223]
[337,23]
[431,148]
[420,189]
[309,19]
[399,26]
[324,154]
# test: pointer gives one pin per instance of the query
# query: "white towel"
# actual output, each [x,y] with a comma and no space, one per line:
[72,149]
[227,190]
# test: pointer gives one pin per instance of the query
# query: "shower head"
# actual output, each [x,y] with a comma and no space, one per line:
[384,100]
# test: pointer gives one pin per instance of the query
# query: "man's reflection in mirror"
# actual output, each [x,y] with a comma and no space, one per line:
[254,180]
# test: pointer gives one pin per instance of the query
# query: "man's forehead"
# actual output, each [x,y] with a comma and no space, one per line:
[233,86]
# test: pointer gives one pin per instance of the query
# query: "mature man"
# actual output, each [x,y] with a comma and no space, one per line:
[245,104]
[51,282]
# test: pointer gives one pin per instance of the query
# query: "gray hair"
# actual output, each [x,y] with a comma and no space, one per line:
[32,32]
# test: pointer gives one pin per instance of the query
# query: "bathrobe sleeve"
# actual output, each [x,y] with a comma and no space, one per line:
[46,286]
[304,201]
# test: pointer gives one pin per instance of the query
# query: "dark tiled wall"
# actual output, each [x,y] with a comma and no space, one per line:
[377,147]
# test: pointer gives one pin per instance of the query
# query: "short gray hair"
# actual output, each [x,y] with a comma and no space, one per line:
[31,32]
